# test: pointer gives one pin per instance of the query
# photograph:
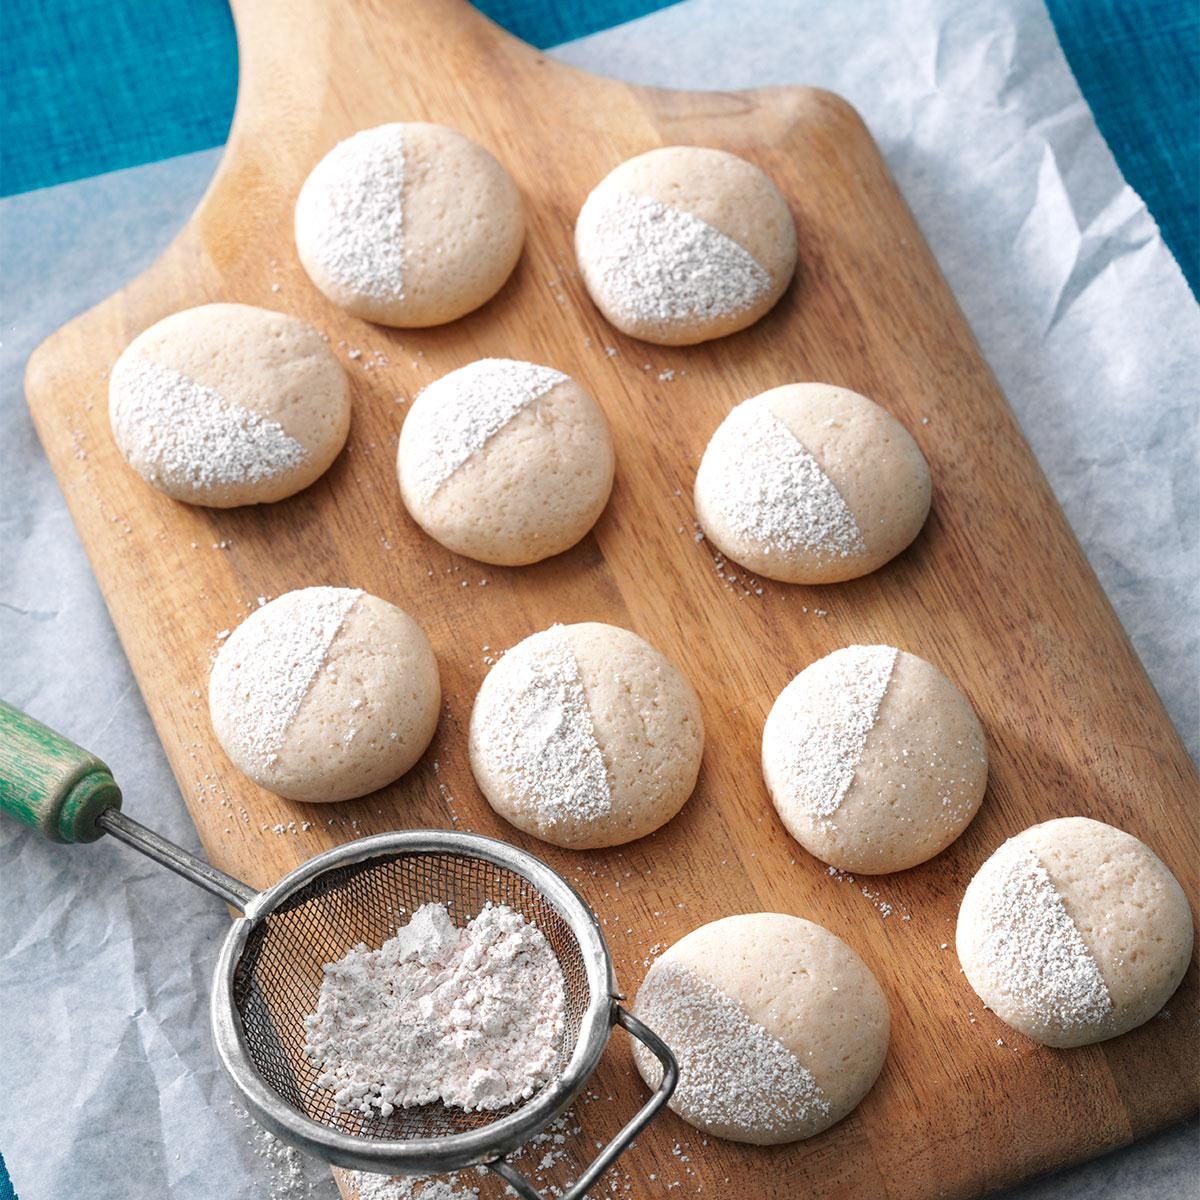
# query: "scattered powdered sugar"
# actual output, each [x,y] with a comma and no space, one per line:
[544,1151]
[1033,951]
[538,730]
[398,1187]
[732,1072]
[823,740]
[771,491]
[351,212]
[275,655]
[285,1173]
[470,1017]
[285,1167]
[656,263]
[189,435]
[458,414]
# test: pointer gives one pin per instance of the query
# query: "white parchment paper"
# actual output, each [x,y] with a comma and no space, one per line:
[108,1087]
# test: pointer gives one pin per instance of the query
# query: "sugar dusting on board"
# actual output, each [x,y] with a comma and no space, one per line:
[1031,944]
[732,1072]
[457,415]
[351,207]
[659,264]
[824,716]
[470,1017]
[397,1187]
[271,660]
[539,1160]
[771,491]
[175,430]
[542,734]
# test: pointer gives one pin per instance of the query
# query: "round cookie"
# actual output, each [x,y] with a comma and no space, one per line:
[505,461]
[227,404]
[1073,932]
[683,244]
[874,759]
[325,694]
[585,736]
[810,483]
[779,1028]
[409,224]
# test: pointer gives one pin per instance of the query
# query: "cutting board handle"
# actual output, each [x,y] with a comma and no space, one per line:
[49,783]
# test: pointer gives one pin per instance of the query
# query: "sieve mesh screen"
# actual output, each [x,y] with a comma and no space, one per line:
[278,977]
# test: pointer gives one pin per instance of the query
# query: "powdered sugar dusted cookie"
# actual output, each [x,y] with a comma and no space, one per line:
[1073,932]
[874,759]
[585,735]
[810,483]
[409,224]
[226,404]
[685,243]
[778,1027]
[505,461]
[325,694]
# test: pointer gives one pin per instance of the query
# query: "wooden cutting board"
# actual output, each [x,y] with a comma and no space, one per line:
[995,590]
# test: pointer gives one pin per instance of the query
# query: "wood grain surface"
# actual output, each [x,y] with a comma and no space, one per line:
[995,591]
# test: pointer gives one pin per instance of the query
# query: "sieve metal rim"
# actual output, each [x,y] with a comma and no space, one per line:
[418,1155]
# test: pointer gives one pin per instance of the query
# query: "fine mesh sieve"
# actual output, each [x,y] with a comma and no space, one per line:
[269,972]
[276,978]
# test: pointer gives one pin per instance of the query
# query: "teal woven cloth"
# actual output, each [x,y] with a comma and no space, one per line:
[89,86]
[1137,63]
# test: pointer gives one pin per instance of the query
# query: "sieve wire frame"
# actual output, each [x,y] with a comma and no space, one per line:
[427,1155]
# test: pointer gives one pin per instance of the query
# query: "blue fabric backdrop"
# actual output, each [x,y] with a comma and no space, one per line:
[1138,65]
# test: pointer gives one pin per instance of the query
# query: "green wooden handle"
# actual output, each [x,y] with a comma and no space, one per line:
[49,782]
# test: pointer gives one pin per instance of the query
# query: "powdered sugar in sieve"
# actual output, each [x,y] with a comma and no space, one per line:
[470,1017]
